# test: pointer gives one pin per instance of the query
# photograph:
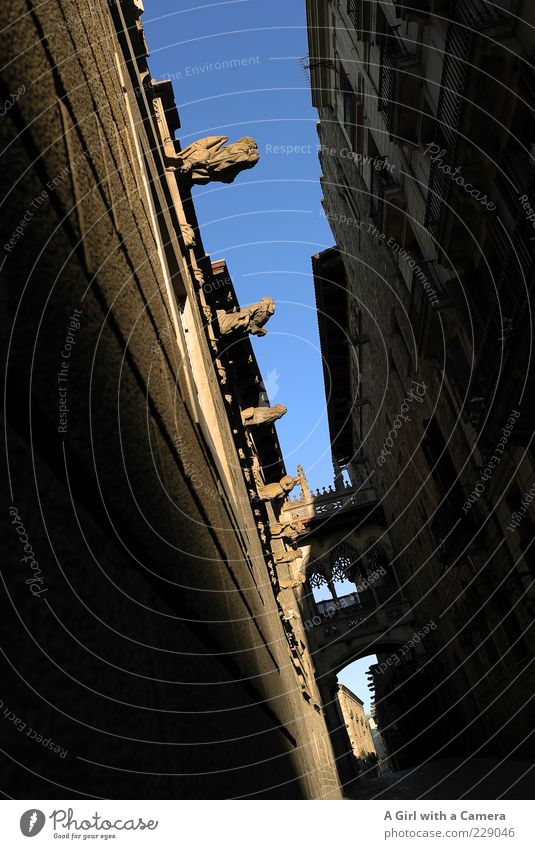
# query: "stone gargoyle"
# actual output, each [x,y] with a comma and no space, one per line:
[287,530]
[271,491]
[211,160]
[249,319]
[262,415]
[288,556]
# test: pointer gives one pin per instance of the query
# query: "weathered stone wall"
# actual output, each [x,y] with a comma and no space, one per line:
[465,668]
[149,645]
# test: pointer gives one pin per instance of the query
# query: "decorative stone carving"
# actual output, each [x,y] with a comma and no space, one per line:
[249,319]
[188,234]
[262,415]
[288,556]
[208,160]
[271,491]
[305,494]
[287,530]
[290,614]
[292,583]
[262,532]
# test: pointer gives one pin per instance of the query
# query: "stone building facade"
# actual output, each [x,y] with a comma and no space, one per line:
[357,726]
[425,133]
[147,650]
[379,743]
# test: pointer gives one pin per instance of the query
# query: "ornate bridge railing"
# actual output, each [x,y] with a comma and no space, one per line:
[327,502]
[353,621]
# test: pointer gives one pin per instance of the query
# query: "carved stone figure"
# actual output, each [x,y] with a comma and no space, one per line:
[208,159]
[249,319]
[262,415]
[287,530]
[292,583]
[270,491]
[290,614]
[188,234]
[288,556]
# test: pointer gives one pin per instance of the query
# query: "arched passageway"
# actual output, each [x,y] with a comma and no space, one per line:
[356,703]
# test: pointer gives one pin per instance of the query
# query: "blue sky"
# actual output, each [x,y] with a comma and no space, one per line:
[268,223]
[354,677]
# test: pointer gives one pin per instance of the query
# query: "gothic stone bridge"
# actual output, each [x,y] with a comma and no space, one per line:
[347,590]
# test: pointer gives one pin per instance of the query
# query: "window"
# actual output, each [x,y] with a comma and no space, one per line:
[353,12]
[348,195]
[349,103]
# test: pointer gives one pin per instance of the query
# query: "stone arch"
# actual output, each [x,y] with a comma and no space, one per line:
[329,661]
[354,651]
[334,651]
